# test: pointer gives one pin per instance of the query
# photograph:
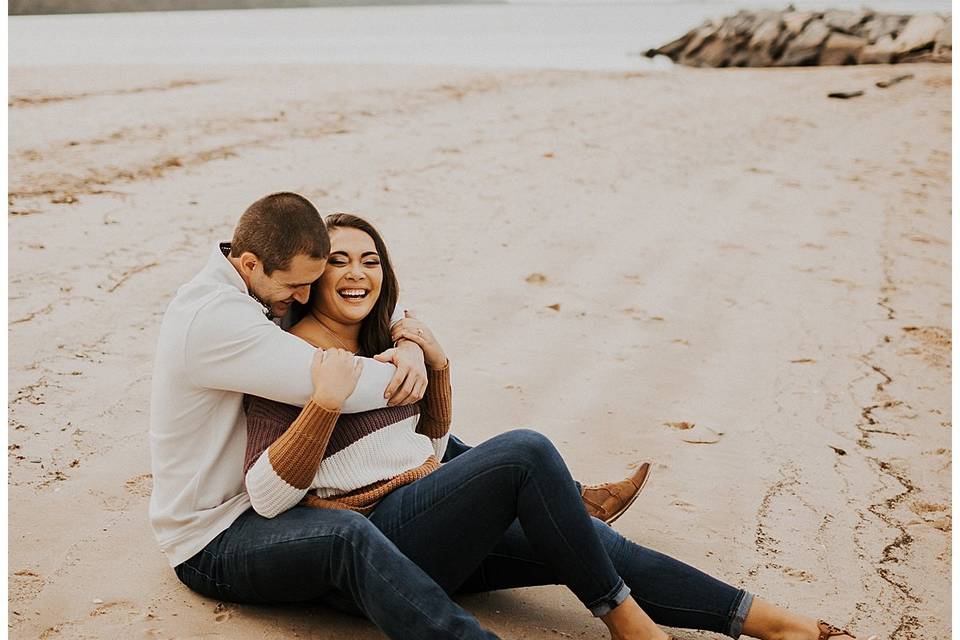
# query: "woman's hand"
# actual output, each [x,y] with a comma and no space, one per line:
[414,330]
[334,373]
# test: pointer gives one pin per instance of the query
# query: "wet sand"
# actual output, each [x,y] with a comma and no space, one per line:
[728,249]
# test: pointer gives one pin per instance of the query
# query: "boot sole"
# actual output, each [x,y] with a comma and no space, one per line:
[643,483]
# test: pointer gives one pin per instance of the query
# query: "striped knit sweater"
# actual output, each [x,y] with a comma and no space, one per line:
[350,461]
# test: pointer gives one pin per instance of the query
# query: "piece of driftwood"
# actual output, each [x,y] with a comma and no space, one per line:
[883,84]
[845,95]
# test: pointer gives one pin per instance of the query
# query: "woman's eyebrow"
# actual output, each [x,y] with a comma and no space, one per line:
[362,255]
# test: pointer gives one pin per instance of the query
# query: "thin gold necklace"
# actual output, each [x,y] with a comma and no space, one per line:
[331,333]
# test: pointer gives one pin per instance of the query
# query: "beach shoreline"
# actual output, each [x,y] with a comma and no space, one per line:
[726,247]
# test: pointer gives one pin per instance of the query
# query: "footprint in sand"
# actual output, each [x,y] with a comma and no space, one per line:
[140,485]
[934,344]
[222,612]
[797,573]
[56,631]
[114,607]
[25,585]
[933,336]
[695,434]
[111,620]
[933,514]
[921,508]
[115,503]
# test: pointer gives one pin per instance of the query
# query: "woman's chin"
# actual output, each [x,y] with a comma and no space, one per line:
[355,314]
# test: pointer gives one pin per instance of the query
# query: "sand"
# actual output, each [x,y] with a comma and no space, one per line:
[724,248]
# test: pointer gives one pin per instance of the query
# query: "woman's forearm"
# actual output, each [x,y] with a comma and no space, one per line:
[282,473]
[437,404]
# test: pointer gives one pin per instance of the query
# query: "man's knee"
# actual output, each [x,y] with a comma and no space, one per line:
[351,524]
[303,523]
[315,537]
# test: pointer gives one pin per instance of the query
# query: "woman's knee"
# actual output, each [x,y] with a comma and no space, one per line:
[533,449]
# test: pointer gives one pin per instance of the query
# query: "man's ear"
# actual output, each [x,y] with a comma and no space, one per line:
[248,262]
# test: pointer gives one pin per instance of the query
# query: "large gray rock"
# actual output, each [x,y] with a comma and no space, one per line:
[746,57]
[923,55]
[881,52]
[752,58]
[739,25]
[879,25]
[797,38]
[943,45]
[766,33]
[841,48]
[731,38]
[804,49]
[794,22]
[920,33]
[673,49]
[845,21]
[700,37]
[717,52]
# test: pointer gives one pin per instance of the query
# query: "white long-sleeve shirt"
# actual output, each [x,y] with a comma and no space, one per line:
[215,345]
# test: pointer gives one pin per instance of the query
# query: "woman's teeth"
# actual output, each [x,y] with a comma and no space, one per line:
[353,294]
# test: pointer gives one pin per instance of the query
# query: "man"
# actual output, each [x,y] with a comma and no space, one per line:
[217,342]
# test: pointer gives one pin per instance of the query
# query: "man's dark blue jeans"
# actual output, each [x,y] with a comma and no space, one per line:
[503,514]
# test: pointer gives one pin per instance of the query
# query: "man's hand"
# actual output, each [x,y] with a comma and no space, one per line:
[334,373]
[410,381]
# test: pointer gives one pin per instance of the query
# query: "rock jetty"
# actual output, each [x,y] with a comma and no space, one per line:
[793,38]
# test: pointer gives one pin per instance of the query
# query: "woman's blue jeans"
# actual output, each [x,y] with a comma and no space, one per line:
[503,514]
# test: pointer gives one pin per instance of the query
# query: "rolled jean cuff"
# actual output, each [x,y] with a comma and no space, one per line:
[740,614]
[611,601]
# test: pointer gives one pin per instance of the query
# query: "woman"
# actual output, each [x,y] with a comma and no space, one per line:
[510,502]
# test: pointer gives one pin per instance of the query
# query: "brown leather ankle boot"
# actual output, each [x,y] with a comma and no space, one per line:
[610,500]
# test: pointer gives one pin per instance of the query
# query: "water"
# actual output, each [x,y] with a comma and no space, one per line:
[582,35]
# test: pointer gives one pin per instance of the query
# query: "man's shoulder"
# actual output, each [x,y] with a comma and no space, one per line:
[217,283]
[199,294]
[216,306]
[207,304]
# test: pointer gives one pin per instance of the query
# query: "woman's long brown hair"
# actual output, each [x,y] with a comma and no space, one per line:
[375,328]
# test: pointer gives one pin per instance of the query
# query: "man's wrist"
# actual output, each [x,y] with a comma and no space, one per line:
[403,342]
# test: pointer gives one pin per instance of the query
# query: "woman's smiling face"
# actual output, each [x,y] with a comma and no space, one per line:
[350,284]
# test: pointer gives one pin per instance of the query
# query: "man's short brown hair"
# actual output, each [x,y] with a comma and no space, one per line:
[278,227]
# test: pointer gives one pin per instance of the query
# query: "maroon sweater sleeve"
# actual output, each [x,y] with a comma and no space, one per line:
[267,420]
